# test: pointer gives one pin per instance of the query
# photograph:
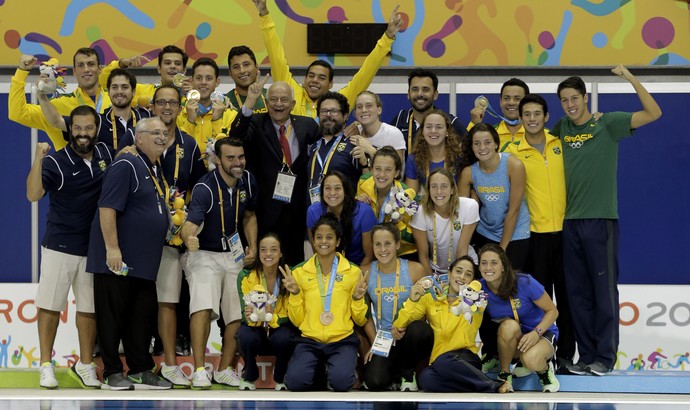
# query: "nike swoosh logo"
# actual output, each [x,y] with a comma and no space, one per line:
[135,380]
[75,173]
[148,177]
[527,156]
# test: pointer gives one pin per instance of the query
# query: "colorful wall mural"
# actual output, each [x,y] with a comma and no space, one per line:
[435,33]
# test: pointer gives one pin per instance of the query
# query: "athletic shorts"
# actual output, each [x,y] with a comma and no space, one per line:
[59,271]
[212,278]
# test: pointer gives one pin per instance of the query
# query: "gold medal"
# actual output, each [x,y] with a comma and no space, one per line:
[326,318]
[481,101]
[178,79]
[193,95]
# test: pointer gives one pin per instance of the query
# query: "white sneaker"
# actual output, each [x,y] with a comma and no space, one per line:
[48,379]
[85,374]
[201,379]
[280,386]
[174,375]
[227,377]
[409,386]
[246,385]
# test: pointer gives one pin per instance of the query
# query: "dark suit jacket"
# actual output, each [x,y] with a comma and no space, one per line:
[265,159]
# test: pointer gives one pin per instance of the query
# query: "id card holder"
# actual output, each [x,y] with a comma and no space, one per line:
[382,343]
[285,184]
[315,194]
[236,247]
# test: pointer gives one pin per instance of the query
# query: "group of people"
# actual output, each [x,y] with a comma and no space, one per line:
[153,183]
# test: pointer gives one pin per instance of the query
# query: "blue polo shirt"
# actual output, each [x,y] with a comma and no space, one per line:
[74,186]
[341,160]
[142,219]
[105,125]
[190,168]
[205,207]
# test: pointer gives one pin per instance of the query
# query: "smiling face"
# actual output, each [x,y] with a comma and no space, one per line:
[243,71]
[385,246]
[168,65]
[280,101]
[83,133]
[86,70]
[484,146]
[435,130]
[575,105]
[366,109]
[325,241]
[152,138]
[333,191]
[384,172]
[533,118]
[421,93]
[120,91]
[440,190]
[491,268]
[331,118]
[269,252]
[205,81]
[510,99]
[166,105]
[461,274]
[317,82]
[231,161]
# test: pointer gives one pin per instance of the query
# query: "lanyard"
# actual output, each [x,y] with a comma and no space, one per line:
[514,307]
[161,194]
[240,103]
[114,124]
[326,295]
[99,99]
[409,132]
[276,285]
[222,209]
[382,214]
[310,108]
[329,156]
[395,292]
[450,246]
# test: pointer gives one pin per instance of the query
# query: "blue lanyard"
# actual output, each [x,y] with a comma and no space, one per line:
[326,298]
[330,151]
[382,215]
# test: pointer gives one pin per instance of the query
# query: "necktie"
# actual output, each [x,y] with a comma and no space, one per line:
[285,145]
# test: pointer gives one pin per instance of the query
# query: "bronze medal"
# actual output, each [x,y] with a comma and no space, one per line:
[326,318]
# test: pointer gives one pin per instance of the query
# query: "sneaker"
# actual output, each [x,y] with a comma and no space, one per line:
[201,379]
[146,380]
[182,346]
[547,379]
[227,377]
[48,379]
[489,364]
[409,386]
[85,374]
[506,377]
[520,370]
[117,381]
[578,368]
[280,386]
[246,385]
[175,375]
[598,369]
[562,365]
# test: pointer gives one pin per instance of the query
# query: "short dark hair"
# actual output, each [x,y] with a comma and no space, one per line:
[84,110]
[332,95]
[536,99]
[422,72]
[515,82]
[167,87]
[131,78]
[325,64]
[171,49]
[87,51]
[572,82]
[205,61]
[240,50]
[230,141]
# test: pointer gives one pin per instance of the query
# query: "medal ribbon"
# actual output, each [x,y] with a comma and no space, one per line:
[326,294]
[395,291]
[222,209]
[435,241]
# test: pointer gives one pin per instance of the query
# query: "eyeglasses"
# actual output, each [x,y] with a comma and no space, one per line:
[156,133]
[163,103]
[332,112]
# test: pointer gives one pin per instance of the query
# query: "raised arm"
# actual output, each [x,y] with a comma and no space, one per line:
[650,109]
[34,182]
[51,113]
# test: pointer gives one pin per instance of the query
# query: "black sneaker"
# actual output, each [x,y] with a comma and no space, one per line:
[578,368]
[148,381]
[598,369]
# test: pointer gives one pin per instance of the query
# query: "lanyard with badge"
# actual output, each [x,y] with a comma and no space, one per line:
[326,317]
[160,193]
[384,339]
[315,188]
[233,241]
[114,125]
[285,182]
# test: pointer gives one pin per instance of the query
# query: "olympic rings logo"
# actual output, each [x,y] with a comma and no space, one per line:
[576,145]
[492,197]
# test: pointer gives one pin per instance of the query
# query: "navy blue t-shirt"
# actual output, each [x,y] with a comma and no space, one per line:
[341,160]
[142,218]
[205,207]
[74,187]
